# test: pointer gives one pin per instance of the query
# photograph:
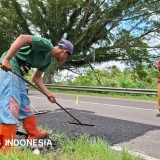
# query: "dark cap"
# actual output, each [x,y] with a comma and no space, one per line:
[67,45]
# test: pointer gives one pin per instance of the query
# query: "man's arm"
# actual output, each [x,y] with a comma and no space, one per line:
[37,79]
[17,44]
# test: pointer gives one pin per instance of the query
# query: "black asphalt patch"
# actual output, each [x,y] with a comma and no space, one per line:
[112,130]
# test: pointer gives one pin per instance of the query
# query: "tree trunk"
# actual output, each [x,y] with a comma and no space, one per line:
[48,78]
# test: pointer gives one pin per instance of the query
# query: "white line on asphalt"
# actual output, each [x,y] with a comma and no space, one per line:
[144,156]
[114,105]
[105,104]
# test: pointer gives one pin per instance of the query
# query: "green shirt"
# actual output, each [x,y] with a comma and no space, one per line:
[38,55]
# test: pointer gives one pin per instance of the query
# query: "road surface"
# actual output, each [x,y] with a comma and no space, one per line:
[126,123]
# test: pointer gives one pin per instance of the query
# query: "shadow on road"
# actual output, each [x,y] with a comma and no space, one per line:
[112,130]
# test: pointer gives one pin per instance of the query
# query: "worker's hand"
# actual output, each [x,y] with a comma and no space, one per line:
[6,65]
[51,98]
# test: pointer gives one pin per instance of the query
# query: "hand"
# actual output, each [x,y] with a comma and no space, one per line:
[51,98]
[6,65]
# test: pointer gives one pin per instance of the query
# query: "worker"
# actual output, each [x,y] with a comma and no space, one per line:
[26,52]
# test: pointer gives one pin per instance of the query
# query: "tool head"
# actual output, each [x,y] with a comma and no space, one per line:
[42,112]
[81,124]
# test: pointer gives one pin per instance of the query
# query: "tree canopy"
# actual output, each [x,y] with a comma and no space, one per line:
[111,29]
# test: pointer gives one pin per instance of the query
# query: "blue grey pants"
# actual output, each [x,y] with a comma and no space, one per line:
[14,101]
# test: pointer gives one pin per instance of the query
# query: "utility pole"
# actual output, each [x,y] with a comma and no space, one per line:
[94,58]
[93,67]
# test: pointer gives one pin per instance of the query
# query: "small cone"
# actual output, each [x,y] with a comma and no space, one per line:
[77,100]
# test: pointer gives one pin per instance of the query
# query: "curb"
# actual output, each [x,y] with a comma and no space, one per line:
[134,153]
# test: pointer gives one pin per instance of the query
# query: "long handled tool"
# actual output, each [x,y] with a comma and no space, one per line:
[77,121]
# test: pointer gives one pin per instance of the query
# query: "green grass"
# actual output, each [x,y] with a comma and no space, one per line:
[85,148]
[82,148]
[106,94]
[109,94]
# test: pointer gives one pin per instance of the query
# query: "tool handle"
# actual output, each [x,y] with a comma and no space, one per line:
[31,84]
[68,113]
[79,123]
[46,96]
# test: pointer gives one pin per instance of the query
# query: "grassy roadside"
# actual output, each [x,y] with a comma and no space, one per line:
[82,148]
[109,94]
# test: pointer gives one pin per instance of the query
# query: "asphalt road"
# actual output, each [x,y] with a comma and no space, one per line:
[127,123]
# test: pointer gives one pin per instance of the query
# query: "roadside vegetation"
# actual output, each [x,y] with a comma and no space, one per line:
[112,77]
[82,148]
[146,78]
[109,94]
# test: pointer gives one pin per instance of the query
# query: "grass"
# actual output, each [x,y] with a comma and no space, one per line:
[82,148]
[106,94]
[85,148]
[109,94]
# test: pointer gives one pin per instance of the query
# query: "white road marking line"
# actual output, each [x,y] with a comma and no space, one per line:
[114,105]
[144,156]
[105,104]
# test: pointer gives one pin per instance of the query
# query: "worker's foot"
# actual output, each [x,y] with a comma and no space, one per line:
[30,125]
[37,135]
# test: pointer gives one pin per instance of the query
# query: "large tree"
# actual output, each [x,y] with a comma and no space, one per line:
[112,29]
